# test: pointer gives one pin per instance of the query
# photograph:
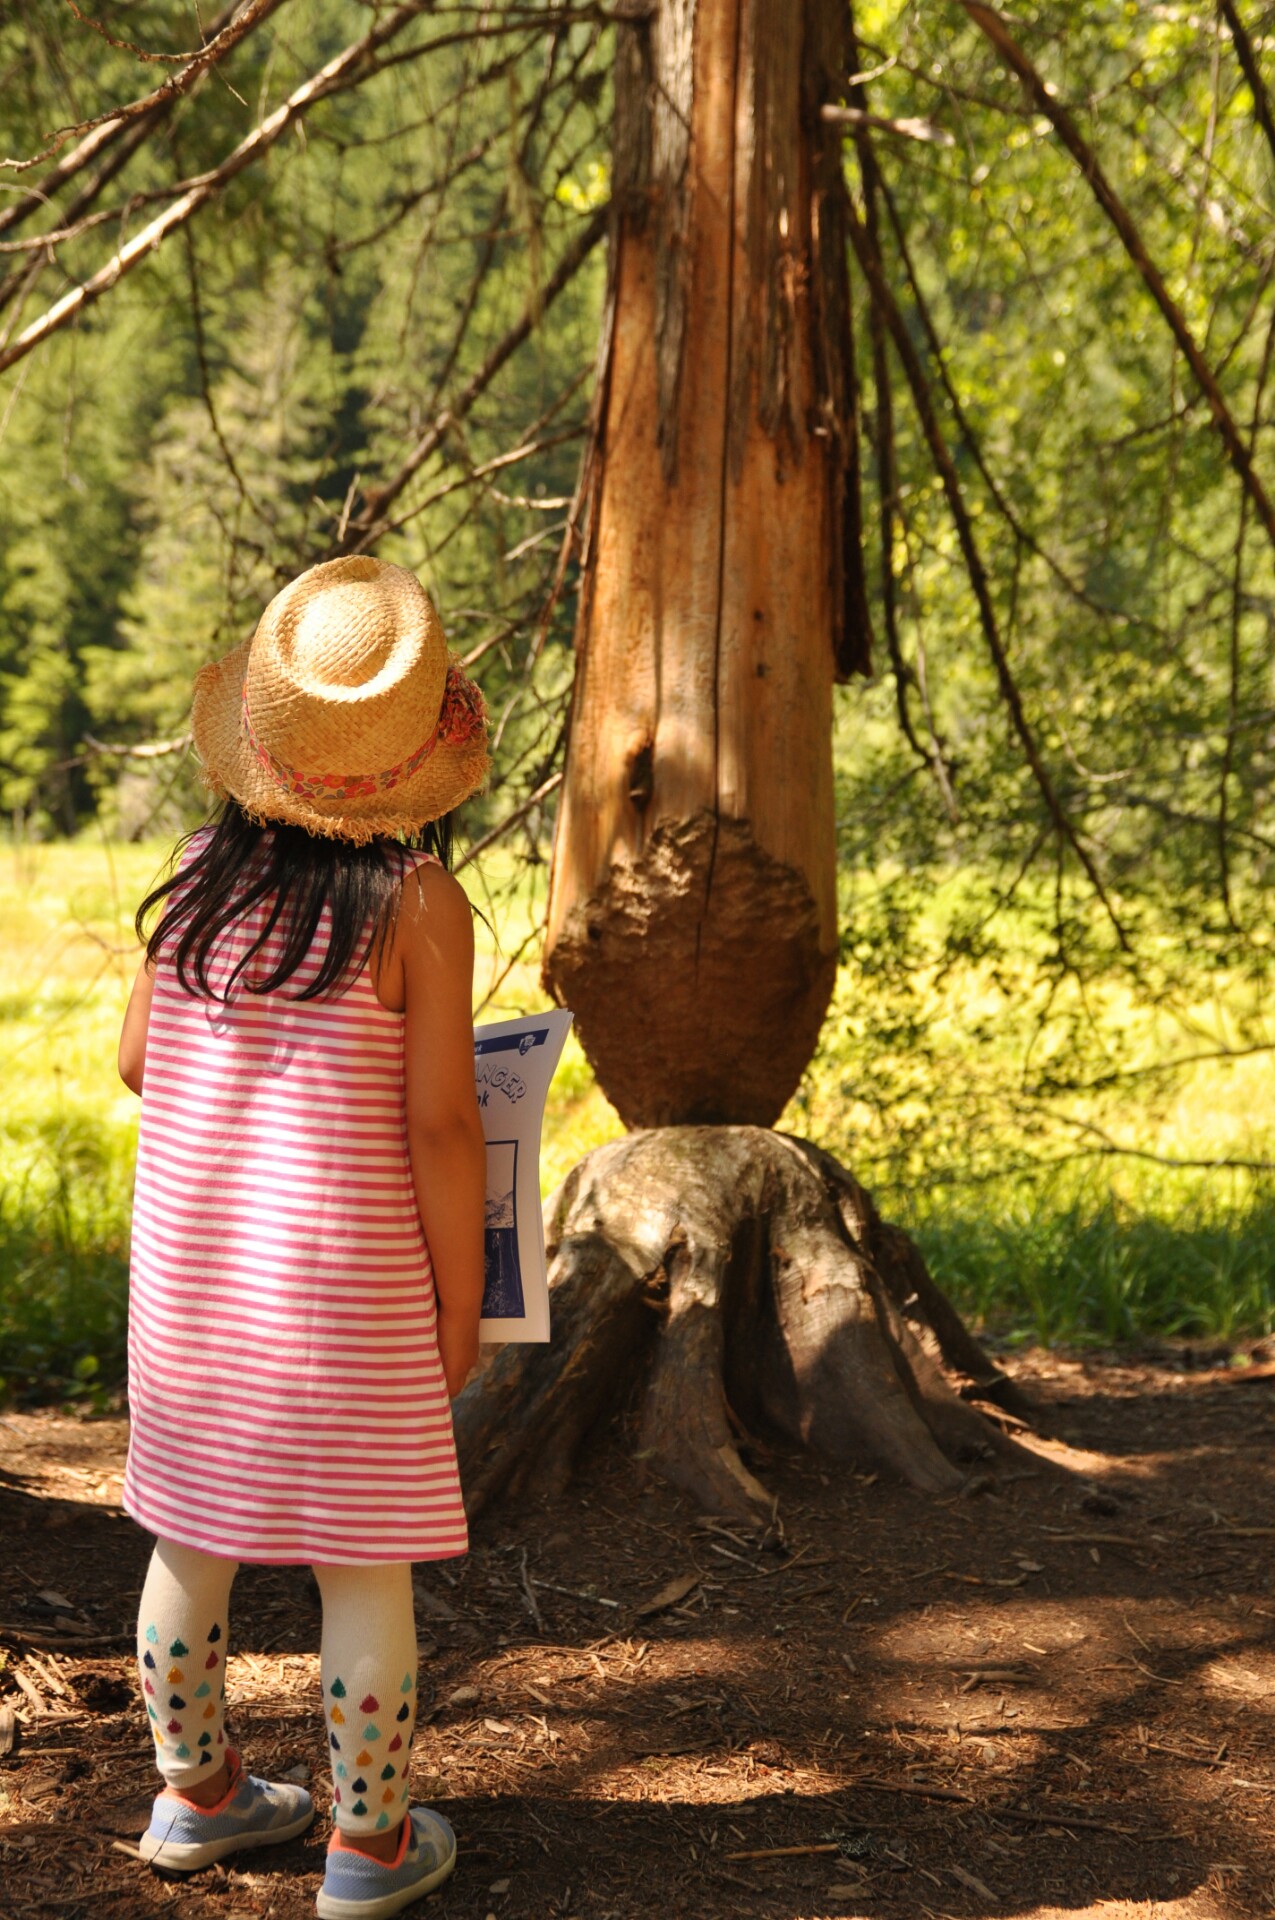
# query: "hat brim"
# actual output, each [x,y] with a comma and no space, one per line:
[450,774]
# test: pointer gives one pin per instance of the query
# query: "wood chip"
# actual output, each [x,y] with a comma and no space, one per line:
[668,1595]
[47,1673]
[972,1881]
[36,1698]
[8,1728]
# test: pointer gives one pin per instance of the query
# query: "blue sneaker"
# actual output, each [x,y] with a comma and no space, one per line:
[357,1887]
[183,1837]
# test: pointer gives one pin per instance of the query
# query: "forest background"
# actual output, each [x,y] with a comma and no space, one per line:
[390,322]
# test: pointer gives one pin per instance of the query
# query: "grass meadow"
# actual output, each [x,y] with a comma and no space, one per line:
[1089,1246]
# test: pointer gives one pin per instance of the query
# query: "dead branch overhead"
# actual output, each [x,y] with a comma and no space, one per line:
[354,64]
[994,27]
[228,31]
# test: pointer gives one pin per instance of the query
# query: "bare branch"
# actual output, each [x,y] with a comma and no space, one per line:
[1233,649]
[340,71]
[887,465]
[502,827]
[106,126]
[993,26]
[143,750]
[1252,72]
[1109,1146]
[870,264]
[905,129]
[129,46]
[368,526]
[117,158]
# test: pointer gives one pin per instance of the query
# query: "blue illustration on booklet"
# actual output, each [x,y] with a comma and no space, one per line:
[502,1283]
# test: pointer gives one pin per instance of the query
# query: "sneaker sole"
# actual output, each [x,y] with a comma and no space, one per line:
[176,1856]
[330,1908]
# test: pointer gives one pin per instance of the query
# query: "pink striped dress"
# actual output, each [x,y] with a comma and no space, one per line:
[286,1395]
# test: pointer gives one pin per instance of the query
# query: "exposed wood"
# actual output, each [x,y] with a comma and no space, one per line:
[692,922]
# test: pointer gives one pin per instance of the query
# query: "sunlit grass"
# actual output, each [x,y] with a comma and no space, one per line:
[1099,1248]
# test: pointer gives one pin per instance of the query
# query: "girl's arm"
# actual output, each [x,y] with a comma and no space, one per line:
[435,940]
[137,1015]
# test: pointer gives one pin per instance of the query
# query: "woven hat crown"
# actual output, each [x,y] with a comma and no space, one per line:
[343,713]
[346,670]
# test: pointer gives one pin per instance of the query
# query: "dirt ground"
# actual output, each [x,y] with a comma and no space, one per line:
[1053,1695]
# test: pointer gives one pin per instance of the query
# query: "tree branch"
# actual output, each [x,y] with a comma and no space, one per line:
[871,267]
[993,27]
[886,461]
[906,129]
[227,33]
[502,827]
[370,524]
[1250,69]
[338,72]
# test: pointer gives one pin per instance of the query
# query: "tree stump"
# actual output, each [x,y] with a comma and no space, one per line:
[731,1278]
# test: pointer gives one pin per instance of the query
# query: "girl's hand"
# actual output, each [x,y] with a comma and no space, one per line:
[458,1351]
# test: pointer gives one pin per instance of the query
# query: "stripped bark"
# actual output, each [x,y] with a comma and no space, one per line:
[692,923]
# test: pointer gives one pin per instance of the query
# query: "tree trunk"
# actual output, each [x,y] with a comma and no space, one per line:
[692,918]
[735,1279]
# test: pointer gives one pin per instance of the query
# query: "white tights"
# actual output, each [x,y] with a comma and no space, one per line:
[368,1668]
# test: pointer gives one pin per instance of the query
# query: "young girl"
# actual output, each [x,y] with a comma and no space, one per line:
[308,1217]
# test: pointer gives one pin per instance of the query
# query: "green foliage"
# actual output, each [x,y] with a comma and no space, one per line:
[998,1048]
[204,432]
[1073,1256]
[64,1267]
[1052,1267]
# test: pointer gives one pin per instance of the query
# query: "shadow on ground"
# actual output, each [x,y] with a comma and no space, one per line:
[1053,1698]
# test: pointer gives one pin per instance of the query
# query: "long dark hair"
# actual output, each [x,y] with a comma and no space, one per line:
[236,864]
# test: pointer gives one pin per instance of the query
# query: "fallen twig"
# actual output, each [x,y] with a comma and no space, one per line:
[783,1853]
[594,1599]
[1056,1819]
[533,1605]
[912,1786]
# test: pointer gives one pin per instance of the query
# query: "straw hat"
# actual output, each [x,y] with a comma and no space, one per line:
[343,713]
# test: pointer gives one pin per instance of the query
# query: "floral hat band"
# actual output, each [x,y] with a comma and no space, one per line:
[348,663]
[462,718]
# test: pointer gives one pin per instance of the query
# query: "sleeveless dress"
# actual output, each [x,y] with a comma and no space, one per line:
[286,1395]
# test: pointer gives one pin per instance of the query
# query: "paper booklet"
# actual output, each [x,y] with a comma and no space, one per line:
[514,1061]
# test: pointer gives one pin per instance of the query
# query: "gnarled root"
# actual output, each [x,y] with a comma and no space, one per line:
[747,1279]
